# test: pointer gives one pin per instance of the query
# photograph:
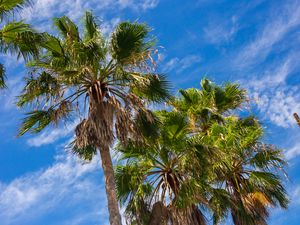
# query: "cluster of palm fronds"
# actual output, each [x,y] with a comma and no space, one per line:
[176,166]
[201,162]
[16,37]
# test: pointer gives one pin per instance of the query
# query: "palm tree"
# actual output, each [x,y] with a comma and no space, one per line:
[214,159]
[105,81]
[157,175]
[245,172]
[209,104]
[238,159]
[16,37]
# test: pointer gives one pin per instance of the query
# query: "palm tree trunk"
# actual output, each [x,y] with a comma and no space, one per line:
[110,186]
[159,214]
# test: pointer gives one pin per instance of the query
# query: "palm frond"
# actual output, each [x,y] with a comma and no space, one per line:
[7,7]
[86,153]
[19,38]
[45,85]
[2,77]
[67,28]
[130,43]
[36,121]
[91,26]
[155,89]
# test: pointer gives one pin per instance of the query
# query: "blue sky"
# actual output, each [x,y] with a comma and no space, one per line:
[255,43]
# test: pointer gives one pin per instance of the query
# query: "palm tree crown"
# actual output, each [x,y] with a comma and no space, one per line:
[107,82]
[202,155]
[16,37]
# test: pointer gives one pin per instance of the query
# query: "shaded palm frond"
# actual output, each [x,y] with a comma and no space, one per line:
[67,28]
[7,7]
[155,89]
[2,77]
[130,43]
[19,38]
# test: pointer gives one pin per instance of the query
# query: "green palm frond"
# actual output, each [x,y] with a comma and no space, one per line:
[45,85]
[219,203]
[268,157]
[87,153]
[155,89]
[36,121]
[130,42]
[2,77]
[19,38]
[147,123]
[7,7]
[270,184]
[91,26]
[231,97]
[53,45]
[67,28]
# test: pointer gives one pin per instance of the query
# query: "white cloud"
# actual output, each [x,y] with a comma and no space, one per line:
[292,153]
[294,150]
[219,32]
[179,65]
[275,99]
[273,32]
[52,135]
[43,10]
[137,4]
[62,186]
[296,195]
[8,96]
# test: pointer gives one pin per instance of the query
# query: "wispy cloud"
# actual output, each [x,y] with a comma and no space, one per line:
[219,32]
[296,195]
[8,96]
[43,10]
[293,151]
[179,65]
[274,97]
[59,187]
[52,135]
[275,30]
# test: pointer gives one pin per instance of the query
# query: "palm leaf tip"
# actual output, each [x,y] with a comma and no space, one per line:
[156,89]
[2,77]
[67,28]
[91,25]
[35,121]
[7,7]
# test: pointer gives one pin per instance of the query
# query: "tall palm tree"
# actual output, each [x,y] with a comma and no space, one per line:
[158,173]
[16,37]
[105,81]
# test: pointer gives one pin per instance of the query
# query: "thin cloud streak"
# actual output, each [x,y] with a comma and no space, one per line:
[179,65]
[36,194]
[52,135]
[272,33]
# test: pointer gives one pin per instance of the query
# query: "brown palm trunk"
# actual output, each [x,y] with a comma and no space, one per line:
[159,214]
[110,186]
